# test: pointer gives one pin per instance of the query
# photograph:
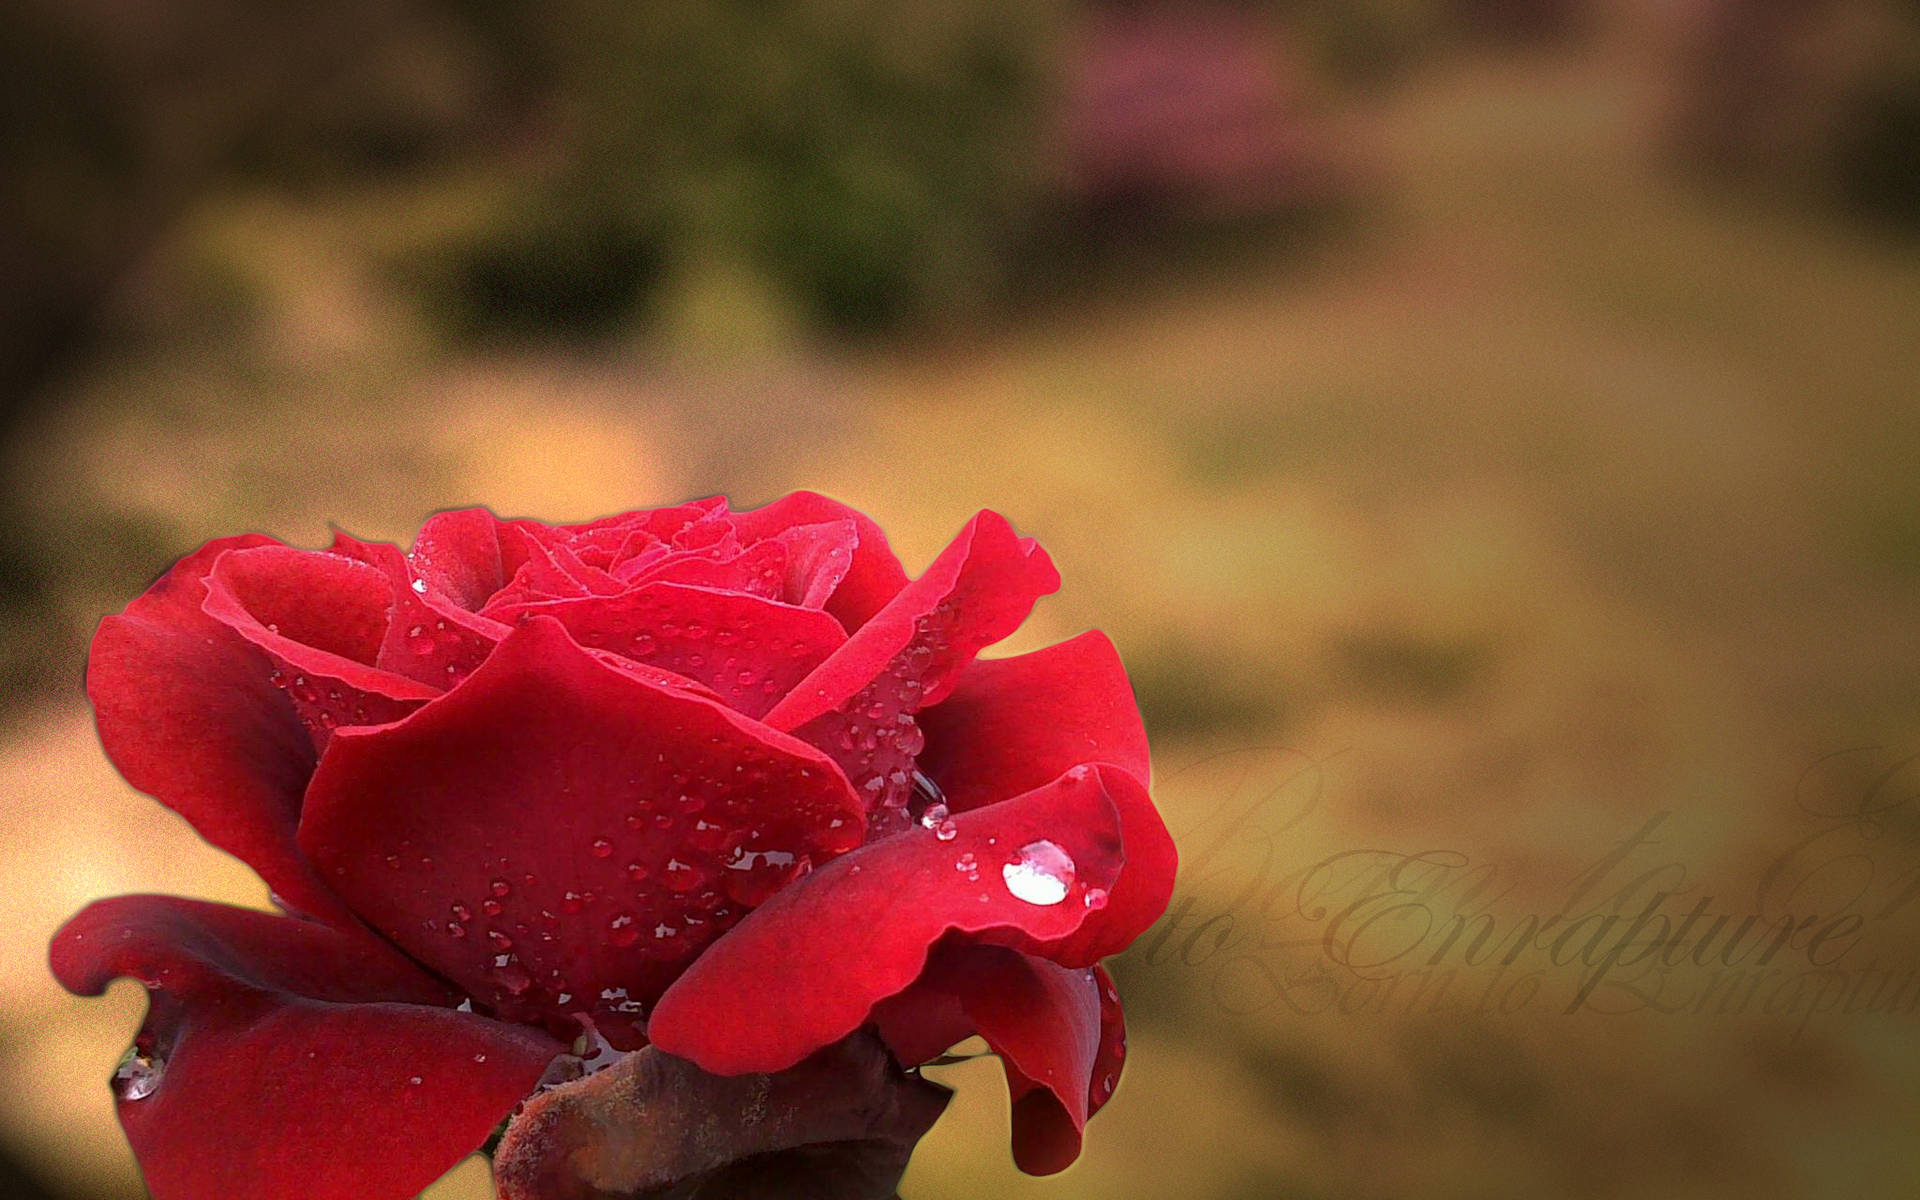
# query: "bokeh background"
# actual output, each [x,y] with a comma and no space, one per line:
[1496,417]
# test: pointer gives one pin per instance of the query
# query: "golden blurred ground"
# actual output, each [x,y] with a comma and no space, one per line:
[1556,497]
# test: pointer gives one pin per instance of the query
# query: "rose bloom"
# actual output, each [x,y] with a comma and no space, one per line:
[723,783]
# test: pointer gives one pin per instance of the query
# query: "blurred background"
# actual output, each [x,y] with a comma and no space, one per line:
[1483,425]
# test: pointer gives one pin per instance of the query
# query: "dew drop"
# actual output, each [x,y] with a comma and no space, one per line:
[682,877]
[420,587]
[1096,898]
[926,791]
[572,903]
[500,887]
[602,848]
[617,1000]
[491,907]
[1041,874]
[622,931]
[138,1075]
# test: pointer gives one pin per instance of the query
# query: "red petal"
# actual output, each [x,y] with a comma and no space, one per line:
[321,619]
[281,1058]
[1043,1020]
[859,704]
[558,836]
[429,638]
[809,966]
[1013,723]
[187,712]
[758,571]
[467,554]
[1113,1044]
[818,558]
[1056,1029]
[873,575]
[1141,895]
[546,572]
[748,650]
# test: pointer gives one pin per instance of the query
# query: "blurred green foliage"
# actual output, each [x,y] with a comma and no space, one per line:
[872,159]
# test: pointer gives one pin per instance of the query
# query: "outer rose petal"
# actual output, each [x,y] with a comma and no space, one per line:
[1013,723]
[1141,895]
[809,966]
[873,574]
[1113,1044]
[1056,1029]
[187,712]
[559,836]
[1043,1020]
[289,1060]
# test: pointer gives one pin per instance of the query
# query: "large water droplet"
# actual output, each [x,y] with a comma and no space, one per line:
[138,1075]
[1041,875]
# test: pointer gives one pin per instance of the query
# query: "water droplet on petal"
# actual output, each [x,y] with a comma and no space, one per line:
[621,931]
[1096,898]
[1041,874]
[928,792]
[602,848]
[683,877]
[138,1075]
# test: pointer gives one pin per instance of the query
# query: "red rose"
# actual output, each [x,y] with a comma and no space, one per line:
[725,783]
